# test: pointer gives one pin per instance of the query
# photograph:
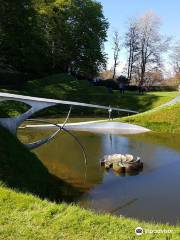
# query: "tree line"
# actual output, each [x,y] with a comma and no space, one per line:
[145,47]
[49,36]
[42,37]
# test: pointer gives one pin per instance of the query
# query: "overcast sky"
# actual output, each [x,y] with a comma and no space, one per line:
[119,11]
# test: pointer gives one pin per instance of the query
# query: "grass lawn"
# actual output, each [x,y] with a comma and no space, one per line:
[24,216]
[64,87]
[166,119]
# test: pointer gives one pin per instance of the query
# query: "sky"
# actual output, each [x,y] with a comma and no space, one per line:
[119,11]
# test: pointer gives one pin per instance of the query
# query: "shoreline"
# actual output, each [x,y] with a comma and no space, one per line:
[101,126]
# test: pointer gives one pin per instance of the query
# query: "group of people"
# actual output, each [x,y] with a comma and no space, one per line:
[142,88]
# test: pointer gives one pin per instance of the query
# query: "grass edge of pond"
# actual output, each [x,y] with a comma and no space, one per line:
[162,120]
[24,215]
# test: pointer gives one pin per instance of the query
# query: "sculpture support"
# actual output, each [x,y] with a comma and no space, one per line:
[38,104]
[13,123]
[49,138]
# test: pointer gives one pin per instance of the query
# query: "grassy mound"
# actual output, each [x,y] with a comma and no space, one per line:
[23,216]
[64,87]
[166,119]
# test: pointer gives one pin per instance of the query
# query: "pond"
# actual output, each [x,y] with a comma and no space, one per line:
[153,194]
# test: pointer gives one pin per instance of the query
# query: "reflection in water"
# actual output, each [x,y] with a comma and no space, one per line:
[123,206]
[64,158]
[154,194]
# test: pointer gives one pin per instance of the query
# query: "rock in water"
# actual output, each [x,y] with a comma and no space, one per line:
[122,163]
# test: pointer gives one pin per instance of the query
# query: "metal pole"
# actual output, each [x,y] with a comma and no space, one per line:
[110,111]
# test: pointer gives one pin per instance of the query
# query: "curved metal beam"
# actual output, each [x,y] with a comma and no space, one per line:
[67,131]
[38,104]
[49,138]
[33,100]
[77,140]
[41,142]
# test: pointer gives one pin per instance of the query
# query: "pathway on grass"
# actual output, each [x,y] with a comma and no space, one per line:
[172,102]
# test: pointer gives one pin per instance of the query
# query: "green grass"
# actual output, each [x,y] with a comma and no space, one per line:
[166,119]
[64,87]
[24,216]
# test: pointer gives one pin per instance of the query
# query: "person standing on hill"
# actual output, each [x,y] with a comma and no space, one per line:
[122,84]
[122,87]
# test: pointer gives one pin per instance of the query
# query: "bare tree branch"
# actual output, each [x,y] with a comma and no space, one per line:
[116,48]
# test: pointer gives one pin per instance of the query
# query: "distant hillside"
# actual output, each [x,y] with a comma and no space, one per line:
[64,87]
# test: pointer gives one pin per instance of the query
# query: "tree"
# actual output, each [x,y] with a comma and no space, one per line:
[75,33]
[21,45]
[175,57]
[131,44]
[116,50]
[48,36]
[149,45]
[154,77]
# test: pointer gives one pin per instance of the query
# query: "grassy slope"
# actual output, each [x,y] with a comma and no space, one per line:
[23,216]
[166,119]
[65,87]
[26,217]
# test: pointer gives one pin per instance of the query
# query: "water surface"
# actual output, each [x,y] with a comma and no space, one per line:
[153,194]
